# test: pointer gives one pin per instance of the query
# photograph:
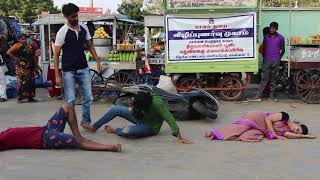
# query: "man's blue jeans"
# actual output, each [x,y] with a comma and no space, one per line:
[82,79]
[133,131]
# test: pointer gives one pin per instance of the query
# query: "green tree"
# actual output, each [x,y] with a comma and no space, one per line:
[27,10]
[153,7]
[285,3]
[132,8]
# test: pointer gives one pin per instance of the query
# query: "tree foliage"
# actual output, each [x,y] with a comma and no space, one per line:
[154,7]
[136,9]
[27,10]
[132,8]
[285,3]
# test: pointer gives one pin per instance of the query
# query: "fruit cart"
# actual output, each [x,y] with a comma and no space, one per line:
[124,59]
[211,45]
[304,79]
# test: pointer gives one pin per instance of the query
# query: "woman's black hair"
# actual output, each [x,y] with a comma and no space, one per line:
[304,129]
[142,102]
[69,9]
[285,116]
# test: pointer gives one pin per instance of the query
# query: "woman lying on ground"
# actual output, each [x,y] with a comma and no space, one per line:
[52,135]
[147,113]
[255,126]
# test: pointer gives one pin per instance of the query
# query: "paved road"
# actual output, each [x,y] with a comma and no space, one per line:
[160,157]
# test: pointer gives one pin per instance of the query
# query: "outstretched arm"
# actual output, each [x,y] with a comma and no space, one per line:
[167,116]
[291,135]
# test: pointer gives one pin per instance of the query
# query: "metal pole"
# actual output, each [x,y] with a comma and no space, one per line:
[91,3]
[146,39]
[289,51]
[260,4]
[114,32]
[49,35]
[259,15]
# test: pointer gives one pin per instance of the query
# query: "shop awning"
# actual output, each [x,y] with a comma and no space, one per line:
[59,19]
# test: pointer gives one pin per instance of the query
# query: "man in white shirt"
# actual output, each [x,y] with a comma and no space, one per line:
[71,39]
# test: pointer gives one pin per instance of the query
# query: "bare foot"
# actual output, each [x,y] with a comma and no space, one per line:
[208,134]
[88,127]
[109,129]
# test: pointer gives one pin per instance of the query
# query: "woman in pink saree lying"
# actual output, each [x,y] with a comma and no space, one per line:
[255,126]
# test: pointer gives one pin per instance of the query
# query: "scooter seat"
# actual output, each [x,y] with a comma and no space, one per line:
[165,94]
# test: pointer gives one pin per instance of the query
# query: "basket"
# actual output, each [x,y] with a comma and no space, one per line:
[102,42]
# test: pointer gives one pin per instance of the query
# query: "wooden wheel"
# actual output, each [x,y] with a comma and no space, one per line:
[308,87]
[187,84]
[96,82]
[296,76]
[121,79]
[230,82]
[95,77]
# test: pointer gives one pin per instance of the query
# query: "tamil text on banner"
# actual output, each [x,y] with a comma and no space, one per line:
[211,39]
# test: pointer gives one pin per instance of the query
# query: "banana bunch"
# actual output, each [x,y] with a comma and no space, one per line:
[100,33]
[122,56]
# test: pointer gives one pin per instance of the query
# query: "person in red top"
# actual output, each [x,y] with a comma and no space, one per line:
[52,136]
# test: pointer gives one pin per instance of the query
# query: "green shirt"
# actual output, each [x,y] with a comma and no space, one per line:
[158,113]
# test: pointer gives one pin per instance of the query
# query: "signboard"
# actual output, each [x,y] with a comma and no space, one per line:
[211,39]
[210,4]
[90,10]
[156,60]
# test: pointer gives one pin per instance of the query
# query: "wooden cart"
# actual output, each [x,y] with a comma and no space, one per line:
[304,80]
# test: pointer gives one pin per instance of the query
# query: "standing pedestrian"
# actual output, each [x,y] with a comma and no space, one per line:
[71,39]
[273,50]
[3,84]
[24,53]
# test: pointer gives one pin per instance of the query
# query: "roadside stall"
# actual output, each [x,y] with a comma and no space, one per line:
[299,74]
[110,33]
[211,45]
[155,46]
[154,41]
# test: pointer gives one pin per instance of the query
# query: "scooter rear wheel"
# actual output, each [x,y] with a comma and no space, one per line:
[204,110]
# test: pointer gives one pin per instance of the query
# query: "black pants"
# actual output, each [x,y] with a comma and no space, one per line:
[270,72]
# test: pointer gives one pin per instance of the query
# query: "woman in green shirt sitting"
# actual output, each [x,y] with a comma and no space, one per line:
[147,112]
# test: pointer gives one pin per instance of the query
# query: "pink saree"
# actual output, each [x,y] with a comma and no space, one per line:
[251,128]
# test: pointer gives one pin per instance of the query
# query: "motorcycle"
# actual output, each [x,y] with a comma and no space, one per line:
[195,104]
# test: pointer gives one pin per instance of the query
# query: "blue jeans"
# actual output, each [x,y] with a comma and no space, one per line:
[82,79]
[133,131]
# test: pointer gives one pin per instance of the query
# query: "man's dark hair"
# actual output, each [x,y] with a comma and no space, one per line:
[274,24]
[304,129]
[69,9]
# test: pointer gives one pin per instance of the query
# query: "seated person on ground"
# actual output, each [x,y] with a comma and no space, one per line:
[147,113]
[52,136]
